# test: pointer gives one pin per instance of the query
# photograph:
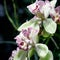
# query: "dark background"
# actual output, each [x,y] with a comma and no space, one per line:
[7,31]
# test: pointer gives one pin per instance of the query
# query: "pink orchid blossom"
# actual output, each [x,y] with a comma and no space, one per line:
[43,7]
[56,16]
[26,38]
[14,52]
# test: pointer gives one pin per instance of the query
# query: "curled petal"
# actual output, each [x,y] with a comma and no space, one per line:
[25,32]
[18,38]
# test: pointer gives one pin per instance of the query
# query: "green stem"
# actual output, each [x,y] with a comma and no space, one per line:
[8,42]
[52,41]
[55,43]
[36,58]
[28,58]
[15,14]
[48,39]
[9,18]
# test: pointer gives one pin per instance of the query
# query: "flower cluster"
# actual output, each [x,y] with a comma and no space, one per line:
[29,31]
[26,38]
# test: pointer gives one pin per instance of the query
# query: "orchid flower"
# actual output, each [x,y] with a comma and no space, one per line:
[56,16]
[13,54]
[39,8]
[26,38]
[40,12]
[18,54]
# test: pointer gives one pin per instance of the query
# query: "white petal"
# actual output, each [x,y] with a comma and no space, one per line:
[31,7]
[20,55]
[50,26]
[34,35]
[42,50]
[49,56]
[32,23]
[46,10]
[52,11]
[53,3]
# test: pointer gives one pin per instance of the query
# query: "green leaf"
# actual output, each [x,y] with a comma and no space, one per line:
[32,23]
[50,26]
[41,49]
[49,56]
[21,55]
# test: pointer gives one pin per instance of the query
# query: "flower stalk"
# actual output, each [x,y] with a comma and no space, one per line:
[55,43]
[28,58]
[15,14]
[9,18]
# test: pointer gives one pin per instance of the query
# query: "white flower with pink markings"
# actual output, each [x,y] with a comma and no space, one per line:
[26,38]
[42,7]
